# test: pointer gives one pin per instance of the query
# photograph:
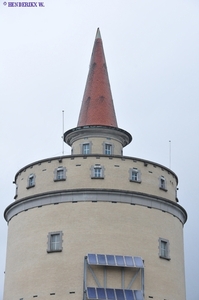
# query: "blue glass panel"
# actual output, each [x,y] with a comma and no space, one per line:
[101,259]
[110,260]
[138,295]
[120,260]
[101,293]
[129,295]
[110,294]
[129,261]
[91,293]
[92,259]
[119,294]
[138,262]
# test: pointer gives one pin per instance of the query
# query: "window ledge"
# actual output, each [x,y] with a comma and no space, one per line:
[136,181]
[163,257]
[63,179]
[97,177]
[163,189]
[31,186]
[52,251]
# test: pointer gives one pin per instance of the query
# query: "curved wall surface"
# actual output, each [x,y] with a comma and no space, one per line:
[91,227]
[79,174]
[110,214]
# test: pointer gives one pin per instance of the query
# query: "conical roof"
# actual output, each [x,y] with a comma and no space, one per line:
[97,104]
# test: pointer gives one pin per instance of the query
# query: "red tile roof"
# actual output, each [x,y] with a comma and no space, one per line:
[97,104]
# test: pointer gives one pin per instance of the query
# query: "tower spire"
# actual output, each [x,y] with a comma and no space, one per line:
[97,104]
[98,34]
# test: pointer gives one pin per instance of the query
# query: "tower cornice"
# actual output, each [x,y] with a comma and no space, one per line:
[96,195]
[116,133]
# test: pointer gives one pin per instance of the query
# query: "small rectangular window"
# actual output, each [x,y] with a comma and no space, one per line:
[97,171]
[60,174]
[134,175]
[108,149]
[86,148]
[31,181]
[162,183]
[54,241]
[164,248]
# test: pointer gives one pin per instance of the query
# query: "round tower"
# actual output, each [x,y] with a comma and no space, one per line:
[95,224]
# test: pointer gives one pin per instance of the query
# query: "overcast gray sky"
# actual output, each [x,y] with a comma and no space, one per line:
[152,54]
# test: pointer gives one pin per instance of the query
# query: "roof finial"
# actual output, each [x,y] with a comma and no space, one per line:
[98,35]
